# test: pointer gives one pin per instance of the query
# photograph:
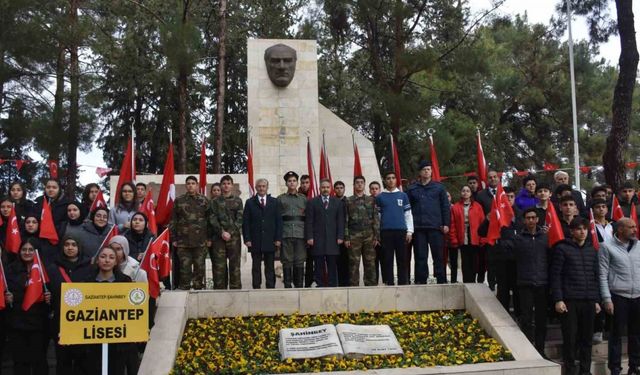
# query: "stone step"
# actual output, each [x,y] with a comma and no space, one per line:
[599,365]
[553,349]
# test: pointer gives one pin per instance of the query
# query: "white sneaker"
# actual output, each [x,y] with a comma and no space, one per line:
[597,338]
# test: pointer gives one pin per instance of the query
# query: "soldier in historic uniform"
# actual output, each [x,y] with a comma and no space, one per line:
[227,245]
[191,226]
[362,231]
[293,252]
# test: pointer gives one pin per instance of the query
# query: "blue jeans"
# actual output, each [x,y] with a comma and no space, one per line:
[423,239]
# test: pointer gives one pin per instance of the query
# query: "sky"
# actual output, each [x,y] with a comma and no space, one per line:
[539,11]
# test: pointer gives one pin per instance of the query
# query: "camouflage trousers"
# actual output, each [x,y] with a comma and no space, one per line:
[293,252]
[362,247]
[226,275]
[192,267]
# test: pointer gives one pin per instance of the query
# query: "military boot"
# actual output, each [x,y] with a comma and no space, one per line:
[287,274]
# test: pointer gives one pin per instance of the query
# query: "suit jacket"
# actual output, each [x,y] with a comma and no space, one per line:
[262,226]
[485,198]
[324,226]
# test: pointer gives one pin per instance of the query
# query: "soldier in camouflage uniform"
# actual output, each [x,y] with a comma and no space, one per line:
[294,253]
[228,210]
[362,231]
[191,227]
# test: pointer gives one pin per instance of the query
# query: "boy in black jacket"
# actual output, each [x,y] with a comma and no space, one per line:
[530,249]
[575,291]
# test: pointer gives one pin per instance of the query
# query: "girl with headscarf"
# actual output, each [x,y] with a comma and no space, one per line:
[127,206]
[89,194]
[94,232]
[138,235]
[27,329]
[75,219]
[70,266]
[18,196]
[30,230]
[57,201]
[127,264]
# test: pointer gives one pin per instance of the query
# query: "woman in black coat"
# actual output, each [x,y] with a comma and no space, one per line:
[70,265]
[27,328]
[138,235]
[57,201]
[89,194]
[18,196]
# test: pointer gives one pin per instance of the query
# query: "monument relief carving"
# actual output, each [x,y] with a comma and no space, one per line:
[280,60]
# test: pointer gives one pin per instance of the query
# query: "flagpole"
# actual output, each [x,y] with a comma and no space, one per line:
[170,136]
[103,241]
[576,150]
[135,275]
[105,359]
[6,286]
[40,265]
[133,154]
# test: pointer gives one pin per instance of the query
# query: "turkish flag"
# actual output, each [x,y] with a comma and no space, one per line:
[325,168]
[99,202]
[167,190]
[549,166]
[313,186]
[3,288]
[127,169]
[13,238]
[500,216]
[435,167]
[112,233]
[482,162]
[634,214]
[592,229]
[34,290]
[53,168]
[616,210]
[357,166]
[152,261]
[552,221]
[252,190]
[203,169]
[147,208]
[165,252]
[47,228]
[396,162]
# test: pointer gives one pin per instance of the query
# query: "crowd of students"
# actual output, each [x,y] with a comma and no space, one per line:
[81,255]
[323,241]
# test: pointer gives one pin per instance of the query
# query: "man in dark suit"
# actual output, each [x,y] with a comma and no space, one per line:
[324,231]
[262,232]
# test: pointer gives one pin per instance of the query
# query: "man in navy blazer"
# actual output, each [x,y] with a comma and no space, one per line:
[262,233]
[324,232]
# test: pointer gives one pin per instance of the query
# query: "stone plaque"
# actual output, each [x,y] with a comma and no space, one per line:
[312,342]
[360,340]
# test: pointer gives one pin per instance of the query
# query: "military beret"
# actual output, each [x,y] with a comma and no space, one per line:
[290,174]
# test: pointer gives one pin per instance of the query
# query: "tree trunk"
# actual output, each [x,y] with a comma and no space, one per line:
[222,77]
[182,121]
[58,106]
[74,105]
[613,157]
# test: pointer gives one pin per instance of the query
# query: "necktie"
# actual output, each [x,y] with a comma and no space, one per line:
[326,203]
[262,202]
[493,191]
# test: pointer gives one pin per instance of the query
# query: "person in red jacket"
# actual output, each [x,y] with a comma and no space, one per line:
[466,217]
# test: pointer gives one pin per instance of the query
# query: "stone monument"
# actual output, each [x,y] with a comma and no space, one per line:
[284,111]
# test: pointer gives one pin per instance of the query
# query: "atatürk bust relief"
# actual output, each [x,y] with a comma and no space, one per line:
[281,64]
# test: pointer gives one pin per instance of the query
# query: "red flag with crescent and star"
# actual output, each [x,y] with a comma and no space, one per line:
[34,290]
[13,238]
[148,209]
[167,190]
[153,261]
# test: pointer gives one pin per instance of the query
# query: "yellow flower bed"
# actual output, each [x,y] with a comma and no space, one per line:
[249,345]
